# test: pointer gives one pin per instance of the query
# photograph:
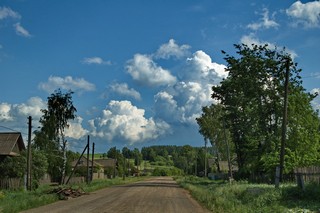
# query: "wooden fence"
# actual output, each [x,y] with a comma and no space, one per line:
[307,174]
[11,183]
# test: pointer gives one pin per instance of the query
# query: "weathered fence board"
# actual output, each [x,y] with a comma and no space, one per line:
[309,174]
[11,183]
[76,180]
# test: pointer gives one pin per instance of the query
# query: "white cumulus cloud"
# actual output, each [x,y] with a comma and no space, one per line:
[123,121]
[124,90]
[202,66]
[171,49]
[68,83]
[183,102]
[75,129]
[307,15]
[15,115]
[5,109]
[145,71]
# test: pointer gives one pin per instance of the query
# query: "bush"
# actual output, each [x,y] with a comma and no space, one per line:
[245,197]
[167,171]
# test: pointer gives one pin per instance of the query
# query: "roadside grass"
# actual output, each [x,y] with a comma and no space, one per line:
[220,196]
[16,201]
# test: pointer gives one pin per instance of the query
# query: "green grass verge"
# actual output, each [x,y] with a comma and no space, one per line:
[16,201]
[220,196]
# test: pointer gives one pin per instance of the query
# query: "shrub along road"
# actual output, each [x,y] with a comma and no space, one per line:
[160,194]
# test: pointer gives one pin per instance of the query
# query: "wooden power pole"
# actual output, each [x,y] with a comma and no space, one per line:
[29,157]
[88,153]
[284,120]
[92,159]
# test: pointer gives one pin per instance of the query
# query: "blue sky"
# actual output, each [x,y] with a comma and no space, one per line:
[140,70]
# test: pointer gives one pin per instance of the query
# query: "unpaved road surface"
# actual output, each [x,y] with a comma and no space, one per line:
[154,195]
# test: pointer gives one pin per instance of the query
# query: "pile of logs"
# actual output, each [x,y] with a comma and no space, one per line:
[67,193]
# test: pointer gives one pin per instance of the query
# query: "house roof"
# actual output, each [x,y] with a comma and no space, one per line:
[11,143]
[110,162]
[222,164]
[83,162]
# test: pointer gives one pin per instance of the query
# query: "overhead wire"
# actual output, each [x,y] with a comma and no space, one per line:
[14,130]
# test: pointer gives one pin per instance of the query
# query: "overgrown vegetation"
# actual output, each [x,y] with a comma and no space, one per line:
[251,104]
[242,197]
[51,137]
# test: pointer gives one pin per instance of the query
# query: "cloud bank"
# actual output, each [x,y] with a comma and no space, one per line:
[68,83]
[146,72]
[306,15]
[121,120]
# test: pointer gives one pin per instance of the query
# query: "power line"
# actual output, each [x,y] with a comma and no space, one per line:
[13,130]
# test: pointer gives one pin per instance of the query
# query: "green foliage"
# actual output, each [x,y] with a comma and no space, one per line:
[126,152]
[121,164]
[252,96]
[16,201]
[137,157]
[243,197]
[51,137]
[13,167]
[212,127]
[187,158]
[39,166]
[167,171]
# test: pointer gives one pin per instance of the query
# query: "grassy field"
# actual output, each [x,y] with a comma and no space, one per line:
[220,196]
[16,201]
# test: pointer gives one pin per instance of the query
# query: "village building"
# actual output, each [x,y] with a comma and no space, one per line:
[11,144]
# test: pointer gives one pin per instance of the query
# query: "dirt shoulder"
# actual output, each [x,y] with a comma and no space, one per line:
[160,194]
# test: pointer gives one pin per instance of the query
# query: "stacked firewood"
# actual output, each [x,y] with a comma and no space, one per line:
[67,193]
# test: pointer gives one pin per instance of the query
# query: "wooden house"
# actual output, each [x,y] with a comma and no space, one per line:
[82,165]
[11,144]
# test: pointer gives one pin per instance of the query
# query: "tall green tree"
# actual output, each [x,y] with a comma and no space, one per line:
[126,152]
[121,164]
[252,95]
[211,126]
[137,157]
[51,137]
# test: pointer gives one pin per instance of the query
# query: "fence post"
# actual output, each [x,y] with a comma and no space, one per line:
[300,181]
[277,178]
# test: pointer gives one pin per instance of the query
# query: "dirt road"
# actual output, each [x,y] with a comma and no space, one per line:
[154,195]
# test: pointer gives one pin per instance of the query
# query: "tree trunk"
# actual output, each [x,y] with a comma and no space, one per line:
[64,159]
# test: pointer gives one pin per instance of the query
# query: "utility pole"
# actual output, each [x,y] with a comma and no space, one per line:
[88,152]
[205,157]
[29,157]
[284,120]
[75,167]
[228,151]
[92,159]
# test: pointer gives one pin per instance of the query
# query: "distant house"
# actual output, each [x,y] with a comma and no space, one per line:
[109,165]
[11,144]
[107,162]
[82,165]
[224,167]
